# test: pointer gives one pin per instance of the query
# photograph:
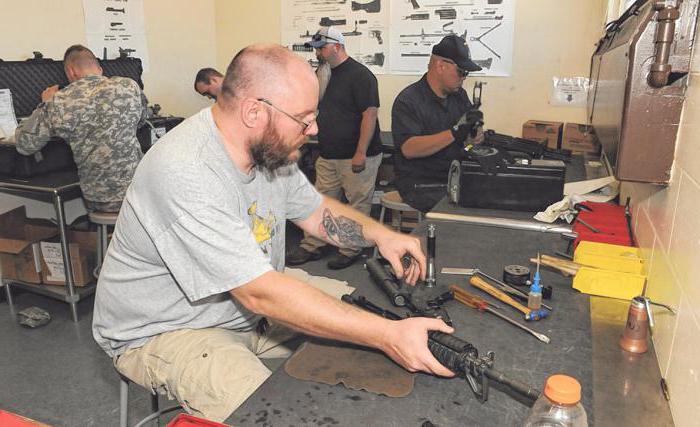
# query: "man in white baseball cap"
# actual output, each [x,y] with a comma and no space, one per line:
[326,35]
[348,138]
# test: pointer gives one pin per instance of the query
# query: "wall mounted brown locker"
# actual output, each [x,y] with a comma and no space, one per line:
[639,76]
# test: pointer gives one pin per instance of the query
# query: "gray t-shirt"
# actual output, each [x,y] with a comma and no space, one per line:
[191,228]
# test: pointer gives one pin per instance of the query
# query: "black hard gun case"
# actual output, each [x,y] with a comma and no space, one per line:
[28,79]
[501,184]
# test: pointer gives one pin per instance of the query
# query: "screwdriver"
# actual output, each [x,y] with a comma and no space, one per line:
[473,301]
[480,283]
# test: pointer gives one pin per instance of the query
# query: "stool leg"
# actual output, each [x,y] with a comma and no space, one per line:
[381,221]
[8,294]
[105,242]
[123,403]
[154,406]
[100,251]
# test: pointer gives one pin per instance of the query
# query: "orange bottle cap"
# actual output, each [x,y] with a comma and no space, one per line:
[562,389]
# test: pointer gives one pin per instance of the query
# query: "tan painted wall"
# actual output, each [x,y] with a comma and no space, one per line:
[552,38]
[667,227]
[180,33]
[181,39]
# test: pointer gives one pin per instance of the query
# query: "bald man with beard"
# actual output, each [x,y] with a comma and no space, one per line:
[197,257]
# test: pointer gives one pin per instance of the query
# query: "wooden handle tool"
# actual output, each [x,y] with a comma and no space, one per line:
[473,301]
[480,283]
[565,270]
[561,261]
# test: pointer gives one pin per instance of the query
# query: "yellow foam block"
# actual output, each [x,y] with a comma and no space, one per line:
[615,284]
[609,257]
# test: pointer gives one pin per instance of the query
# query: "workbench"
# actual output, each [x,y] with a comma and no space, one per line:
[618,388]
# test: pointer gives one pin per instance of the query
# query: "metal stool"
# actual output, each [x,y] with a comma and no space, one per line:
[392,200]
[124,405]
[103,221]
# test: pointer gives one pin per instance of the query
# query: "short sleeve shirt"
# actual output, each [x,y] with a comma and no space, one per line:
[418,111]
[191,228]
[351,90]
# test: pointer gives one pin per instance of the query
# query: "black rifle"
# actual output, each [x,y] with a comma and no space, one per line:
[459,356]
[418,299]
[328,22]
[533,149]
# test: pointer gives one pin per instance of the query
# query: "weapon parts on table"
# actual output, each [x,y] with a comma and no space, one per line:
[460,356]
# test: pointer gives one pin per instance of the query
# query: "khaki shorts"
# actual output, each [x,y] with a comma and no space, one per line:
[211,372]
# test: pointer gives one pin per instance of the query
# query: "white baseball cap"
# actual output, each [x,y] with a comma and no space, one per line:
[324,36]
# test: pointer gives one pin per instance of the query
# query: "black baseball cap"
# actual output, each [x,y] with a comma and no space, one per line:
[455,48]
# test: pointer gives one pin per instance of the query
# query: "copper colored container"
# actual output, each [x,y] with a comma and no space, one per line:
[636,333]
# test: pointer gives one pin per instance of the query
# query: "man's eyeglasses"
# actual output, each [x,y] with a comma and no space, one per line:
[304,125]
[461,71]
[320,37]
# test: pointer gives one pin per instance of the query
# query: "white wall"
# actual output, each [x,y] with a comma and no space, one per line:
[552,38]
[181,39]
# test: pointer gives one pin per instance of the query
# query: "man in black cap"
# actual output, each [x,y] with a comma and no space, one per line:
[432,121]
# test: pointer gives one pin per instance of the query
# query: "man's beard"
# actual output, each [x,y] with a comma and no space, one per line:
[323,73]
[270,152]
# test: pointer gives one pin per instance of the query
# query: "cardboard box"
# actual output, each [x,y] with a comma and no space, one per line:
[83,254]
[19,245]
[580,138]
[542,131]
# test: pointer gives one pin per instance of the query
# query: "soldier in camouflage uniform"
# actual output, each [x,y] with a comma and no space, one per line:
[98,117]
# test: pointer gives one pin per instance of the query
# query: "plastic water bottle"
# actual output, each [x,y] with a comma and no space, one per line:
[559,405]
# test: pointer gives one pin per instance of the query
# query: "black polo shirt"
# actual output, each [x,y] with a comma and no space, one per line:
[418,111]
[351,90]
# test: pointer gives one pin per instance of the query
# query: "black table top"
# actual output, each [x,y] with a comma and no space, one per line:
[43,187]
[283,400]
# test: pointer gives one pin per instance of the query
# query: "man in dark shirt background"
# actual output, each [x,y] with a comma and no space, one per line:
[432,121]
[348,137]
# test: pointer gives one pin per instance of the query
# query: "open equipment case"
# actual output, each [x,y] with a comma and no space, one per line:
[28,79]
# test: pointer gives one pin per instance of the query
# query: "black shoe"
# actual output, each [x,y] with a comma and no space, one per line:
[300,256]
[340,261]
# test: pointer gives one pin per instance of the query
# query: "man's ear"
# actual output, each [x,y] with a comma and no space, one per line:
[253,113]
[70,73]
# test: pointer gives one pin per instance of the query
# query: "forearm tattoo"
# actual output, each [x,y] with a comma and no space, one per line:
[342,231]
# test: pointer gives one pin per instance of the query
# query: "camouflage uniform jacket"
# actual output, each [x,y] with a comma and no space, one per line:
[98,116]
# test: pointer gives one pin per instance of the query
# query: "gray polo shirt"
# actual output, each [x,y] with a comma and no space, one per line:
[191,228]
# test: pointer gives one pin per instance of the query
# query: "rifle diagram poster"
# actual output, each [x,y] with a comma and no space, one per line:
[486,25]
[111,25]
[364,24]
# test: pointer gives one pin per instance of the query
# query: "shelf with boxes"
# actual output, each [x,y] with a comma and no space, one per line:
[31,258]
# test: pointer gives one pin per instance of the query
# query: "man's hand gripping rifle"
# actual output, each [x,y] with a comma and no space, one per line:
[458,355]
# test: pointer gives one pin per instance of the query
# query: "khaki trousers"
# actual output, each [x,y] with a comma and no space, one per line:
[335,177]
[211,372]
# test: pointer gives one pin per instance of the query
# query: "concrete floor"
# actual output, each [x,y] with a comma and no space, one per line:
[56,374]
